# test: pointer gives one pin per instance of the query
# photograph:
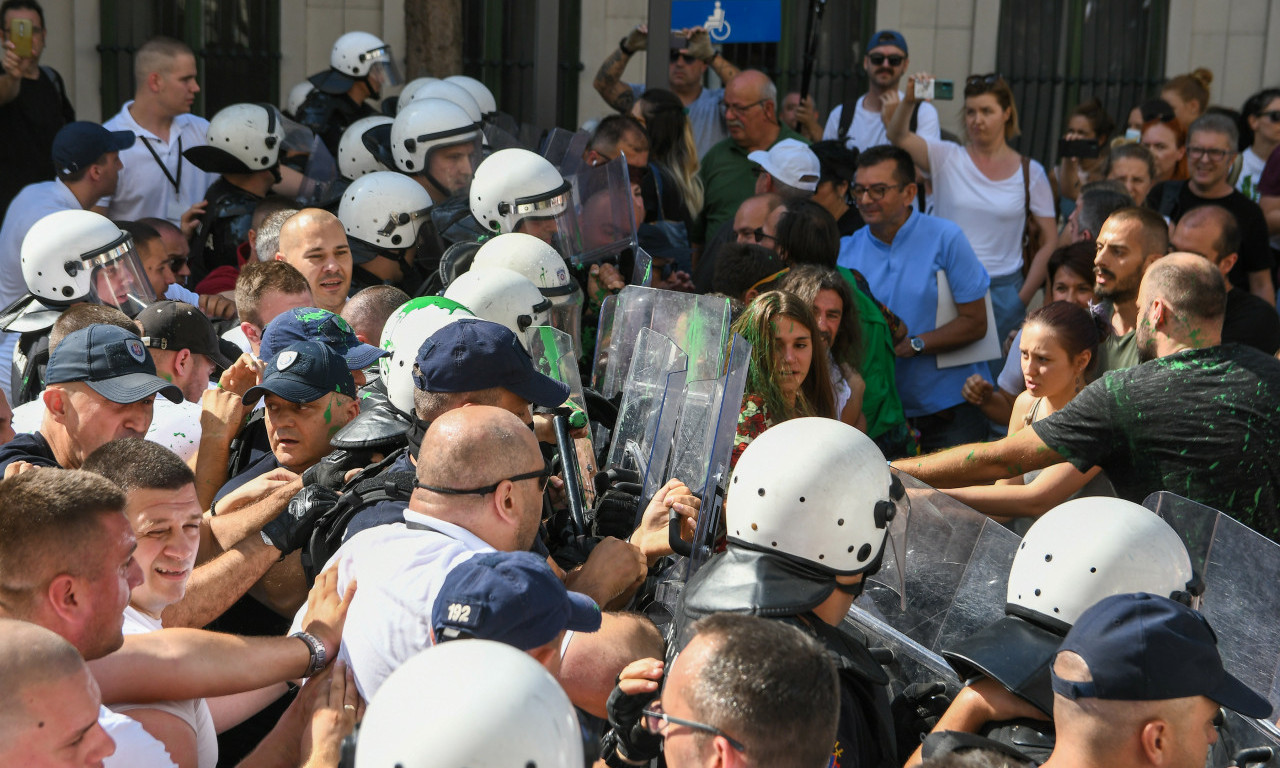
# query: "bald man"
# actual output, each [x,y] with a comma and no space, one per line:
[48,701]
[750,112]
[314,242]
[1196,417]
[1212,232]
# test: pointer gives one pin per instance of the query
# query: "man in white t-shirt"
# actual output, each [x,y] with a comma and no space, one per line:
[156,179]
[885,63]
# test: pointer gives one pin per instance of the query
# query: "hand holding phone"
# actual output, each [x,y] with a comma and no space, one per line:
[21,32]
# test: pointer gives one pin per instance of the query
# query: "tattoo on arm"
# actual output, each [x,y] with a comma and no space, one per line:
[723,68]
[609,85]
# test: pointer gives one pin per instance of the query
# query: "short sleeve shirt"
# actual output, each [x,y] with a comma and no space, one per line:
[32,448]
[1255,246]
[143,188]
[1201,423]
[904,275]
[992,213]
[867,129]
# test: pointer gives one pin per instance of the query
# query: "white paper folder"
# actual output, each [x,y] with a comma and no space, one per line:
[980,351]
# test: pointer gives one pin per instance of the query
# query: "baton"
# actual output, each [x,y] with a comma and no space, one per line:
[569,461]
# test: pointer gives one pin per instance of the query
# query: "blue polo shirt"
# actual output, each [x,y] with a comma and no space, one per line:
[904,276]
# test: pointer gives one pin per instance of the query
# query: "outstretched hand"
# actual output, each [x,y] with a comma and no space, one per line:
[327,609]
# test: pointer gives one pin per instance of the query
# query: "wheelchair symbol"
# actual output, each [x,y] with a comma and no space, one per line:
[716,25]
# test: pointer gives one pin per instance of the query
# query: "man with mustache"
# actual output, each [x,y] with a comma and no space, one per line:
[1128,244]
[885,63]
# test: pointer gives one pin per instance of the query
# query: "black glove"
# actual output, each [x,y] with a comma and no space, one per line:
[615,512]
[915,712]
[633,740]
[291,529]
[331,471]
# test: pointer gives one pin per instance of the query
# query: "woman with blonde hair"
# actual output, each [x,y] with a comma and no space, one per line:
[671,145]
[1188,95]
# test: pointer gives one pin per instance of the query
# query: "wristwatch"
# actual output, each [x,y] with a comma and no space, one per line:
[917,344]
[622,46]
[319,656]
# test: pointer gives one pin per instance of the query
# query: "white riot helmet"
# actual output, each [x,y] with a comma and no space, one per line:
[428,125]
[356,56]
[411,87]
[403,336]
[817,491]
[516,184]
[77,256]
[354,158]
[242,138]
[451,92]
[545,267]
[504,297]
[503,709]
[297,96]
[1086,549]
[478,90]
[382,214]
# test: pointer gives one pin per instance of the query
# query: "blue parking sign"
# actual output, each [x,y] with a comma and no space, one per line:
[731,21]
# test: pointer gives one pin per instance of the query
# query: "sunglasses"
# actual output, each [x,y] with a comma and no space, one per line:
[879,59]
[1273,115]
[977,84]
[755,235]
[543,476]
[686,58]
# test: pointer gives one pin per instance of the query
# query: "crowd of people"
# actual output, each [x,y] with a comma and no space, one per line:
[295,441]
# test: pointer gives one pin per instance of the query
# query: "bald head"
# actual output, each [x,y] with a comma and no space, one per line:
[751,103]
[1212,232]
[1189,284]
[476,445]
[314,242]
[31,658]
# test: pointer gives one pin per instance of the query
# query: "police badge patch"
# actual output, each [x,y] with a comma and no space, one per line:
[286,359]
[135,349]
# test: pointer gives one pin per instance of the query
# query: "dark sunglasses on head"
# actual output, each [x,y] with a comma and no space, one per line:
[975,84]
[879,59]
[682,56]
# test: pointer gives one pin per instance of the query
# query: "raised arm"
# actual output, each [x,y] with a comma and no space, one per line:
[700,47]
[608,82]
[896,114]
[981,462]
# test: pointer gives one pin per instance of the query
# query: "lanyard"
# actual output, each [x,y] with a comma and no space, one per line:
[176,182]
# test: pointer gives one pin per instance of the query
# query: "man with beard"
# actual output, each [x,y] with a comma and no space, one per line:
[1128,244]
[1197,417]
[885,64]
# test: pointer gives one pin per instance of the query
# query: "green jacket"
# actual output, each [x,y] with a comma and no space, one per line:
[728,179]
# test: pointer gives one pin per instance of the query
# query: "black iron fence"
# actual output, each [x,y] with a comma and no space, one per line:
[1056,54]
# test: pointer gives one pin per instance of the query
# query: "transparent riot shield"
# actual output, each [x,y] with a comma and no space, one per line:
[603,224]
[554,355]
[945,591]
[650,405]
[1240,568]
[699,325]
[704,443]
[564,149]
[321,178]
[642,270]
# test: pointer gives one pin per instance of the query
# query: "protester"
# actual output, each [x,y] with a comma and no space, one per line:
[801,115]
[1127,424]
[1129,243]
[781,381]
[1135,167]
[314,243]
[984,179]
[744,270]
[671,145]
[157,180]
[367,312]
[1166,140]
[1058,347]
[1188,95]
[885,62]
[1089,121]
[33,104]
[264,290]
[689,64]
[1260,135]
[828,295]
[837,165]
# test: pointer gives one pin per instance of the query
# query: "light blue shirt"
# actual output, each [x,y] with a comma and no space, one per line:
[903,275]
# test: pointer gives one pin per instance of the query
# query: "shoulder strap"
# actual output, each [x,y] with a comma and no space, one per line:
[915,117]
[846,116]
[331,525]
[1026,184]
[53,75]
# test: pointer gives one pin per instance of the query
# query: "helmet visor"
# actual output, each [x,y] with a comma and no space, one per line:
[117,278]
[383,72]
[451,167]
[566,315]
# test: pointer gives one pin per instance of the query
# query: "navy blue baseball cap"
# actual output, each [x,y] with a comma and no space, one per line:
[512,598]
[304,372]
[78,145]
[887,37]
[112,361]
[1142,647]
[315,324]
[471,354]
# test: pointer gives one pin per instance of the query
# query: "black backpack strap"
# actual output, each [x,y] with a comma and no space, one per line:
[915,123]
[846,116]
[331,526]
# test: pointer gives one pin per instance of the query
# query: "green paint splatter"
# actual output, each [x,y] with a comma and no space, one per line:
[318,314]
[328,411]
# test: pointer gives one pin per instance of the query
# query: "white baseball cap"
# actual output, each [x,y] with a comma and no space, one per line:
[790,162]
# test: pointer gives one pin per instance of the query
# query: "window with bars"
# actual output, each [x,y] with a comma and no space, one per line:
[236,43]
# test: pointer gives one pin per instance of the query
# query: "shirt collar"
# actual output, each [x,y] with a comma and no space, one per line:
[468,538]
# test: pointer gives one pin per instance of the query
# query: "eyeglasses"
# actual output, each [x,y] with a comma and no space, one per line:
[1273,115]
[686,58]
[1215,154]
[656,721]
[177,264]
[755,235]
[543,476]
[879,59]
[739,108]
[876,191]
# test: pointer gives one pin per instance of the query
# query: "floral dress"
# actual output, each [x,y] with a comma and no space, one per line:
[753,419]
